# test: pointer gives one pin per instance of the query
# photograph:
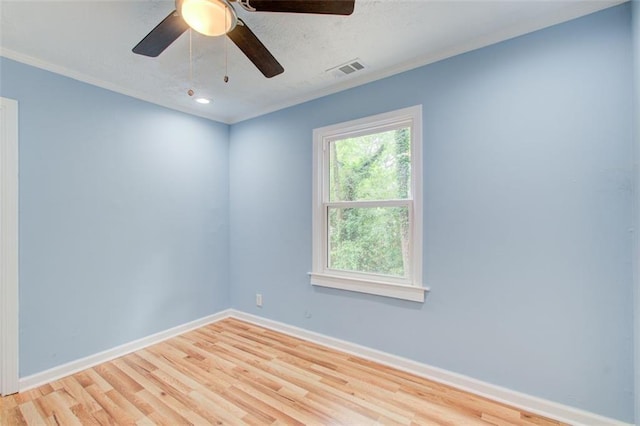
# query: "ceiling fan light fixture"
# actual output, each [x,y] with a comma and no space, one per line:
[208,17]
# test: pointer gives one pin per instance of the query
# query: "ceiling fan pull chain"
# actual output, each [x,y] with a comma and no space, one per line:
[226,59]
[190,57]
[190,91]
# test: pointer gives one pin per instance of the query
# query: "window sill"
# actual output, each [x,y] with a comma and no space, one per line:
[380,288]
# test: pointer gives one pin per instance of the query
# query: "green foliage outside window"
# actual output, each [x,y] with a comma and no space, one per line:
[373,239]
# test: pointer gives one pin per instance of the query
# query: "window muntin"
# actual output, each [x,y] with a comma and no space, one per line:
[367,216]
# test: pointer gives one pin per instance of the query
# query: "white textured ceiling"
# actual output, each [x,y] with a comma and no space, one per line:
[91,40]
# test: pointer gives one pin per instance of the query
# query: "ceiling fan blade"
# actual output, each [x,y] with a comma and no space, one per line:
[253,48]
[165,33]
[325,7]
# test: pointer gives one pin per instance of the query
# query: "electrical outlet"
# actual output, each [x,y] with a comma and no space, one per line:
[258,300]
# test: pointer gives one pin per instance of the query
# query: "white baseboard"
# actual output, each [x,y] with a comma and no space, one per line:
[72,367]
[520,400]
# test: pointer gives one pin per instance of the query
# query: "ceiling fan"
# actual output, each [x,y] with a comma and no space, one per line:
[218,17]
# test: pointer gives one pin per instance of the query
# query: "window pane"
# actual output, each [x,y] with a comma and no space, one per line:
[371,167]
[373,240]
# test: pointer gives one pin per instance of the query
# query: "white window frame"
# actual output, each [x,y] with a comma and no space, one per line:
[409,288]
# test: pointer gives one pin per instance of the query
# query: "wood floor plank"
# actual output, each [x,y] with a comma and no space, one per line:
[60,411]
[85,418]
[103,418]
[30,413]
[202,391]
[289,403]
[263,407]
[91,378]
[79,394]
[171,390]
[338,396]
[113,410]
[233,372]
[12,416]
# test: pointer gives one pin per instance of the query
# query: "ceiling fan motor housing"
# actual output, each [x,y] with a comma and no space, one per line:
[208,17]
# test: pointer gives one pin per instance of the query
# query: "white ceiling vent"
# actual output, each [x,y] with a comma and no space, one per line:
[347,68]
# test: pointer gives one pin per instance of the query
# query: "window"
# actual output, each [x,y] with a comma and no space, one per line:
[367,213]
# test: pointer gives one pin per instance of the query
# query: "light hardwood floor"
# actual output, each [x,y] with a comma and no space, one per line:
[232,372]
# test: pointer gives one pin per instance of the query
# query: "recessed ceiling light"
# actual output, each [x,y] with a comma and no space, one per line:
[202,100]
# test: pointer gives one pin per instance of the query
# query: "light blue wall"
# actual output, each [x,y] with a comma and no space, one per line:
[528,206]
[123,217]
